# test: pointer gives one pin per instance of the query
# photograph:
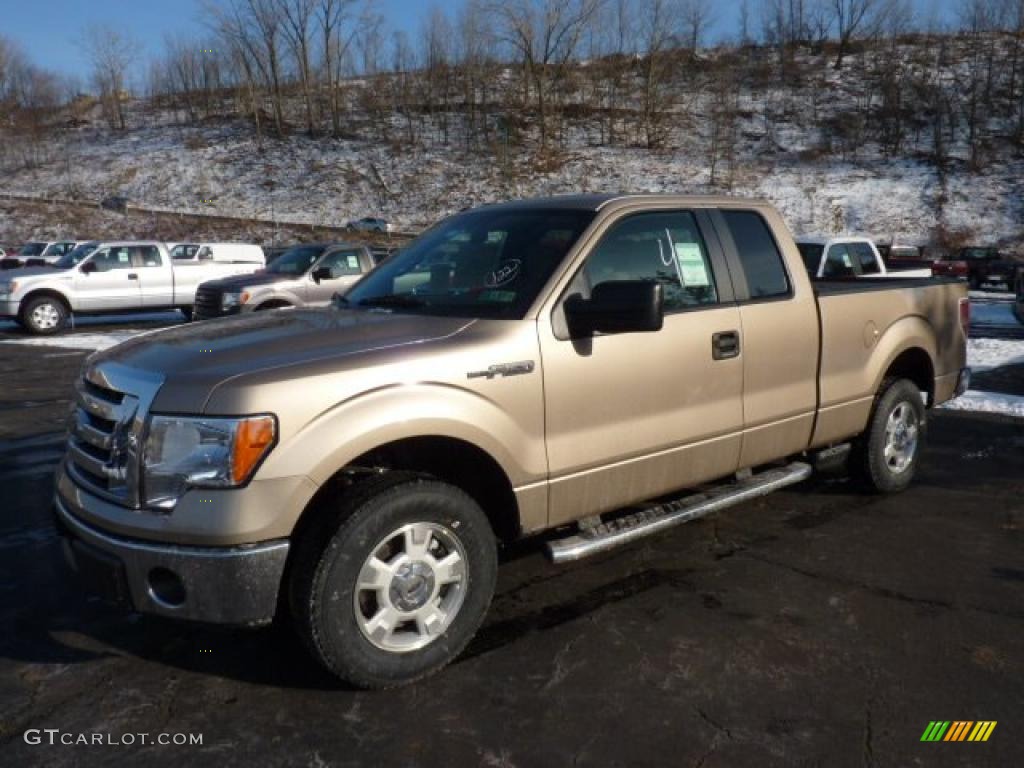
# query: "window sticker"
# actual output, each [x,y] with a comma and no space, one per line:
[504,274]
[692,268]
[353,261]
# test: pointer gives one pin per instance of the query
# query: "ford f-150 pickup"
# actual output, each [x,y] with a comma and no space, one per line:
[105,278]
[305,275]
[541,366]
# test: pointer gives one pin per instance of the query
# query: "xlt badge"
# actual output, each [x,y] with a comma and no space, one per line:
[503,369]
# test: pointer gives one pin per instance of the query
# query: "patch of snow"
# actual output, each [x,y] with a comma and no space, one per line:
[89,341]
[988,402]
[986,354]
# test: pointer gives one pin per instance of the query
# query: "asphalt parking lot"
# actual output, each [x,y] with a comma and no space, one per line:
[814,627]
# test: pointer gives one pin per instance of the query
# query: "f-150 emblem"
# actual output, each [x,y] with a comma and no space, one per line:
[504,369]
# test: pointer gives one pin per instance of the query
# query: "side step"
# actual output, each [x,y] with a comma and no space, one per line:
[656,518]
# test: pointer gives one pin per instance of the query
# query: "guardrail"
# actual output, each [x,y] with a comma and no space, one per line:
[131,208]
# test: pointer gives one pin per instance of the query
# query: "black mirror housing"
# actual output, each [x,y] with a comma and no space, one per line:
[617,306]
[88,267]
[321,273]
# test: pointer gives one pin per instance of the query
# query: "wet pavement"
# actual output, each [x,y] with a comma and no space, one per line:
[815,627]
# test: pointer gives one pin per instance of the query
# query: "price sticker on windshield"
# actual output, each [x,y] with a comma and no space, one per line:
[692,268]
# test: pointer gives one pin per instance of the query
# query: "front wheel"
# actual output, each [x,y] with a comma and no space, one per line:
[400,586]
[886,456]
[43,316]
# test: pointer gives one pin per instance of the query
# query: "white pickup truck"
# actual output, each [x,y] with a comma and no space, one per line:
[838,257]
[106,278]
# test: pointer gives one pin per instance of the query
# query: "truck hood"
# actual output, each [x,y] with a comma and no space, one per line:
[249,280]
[22,273]
[194,359]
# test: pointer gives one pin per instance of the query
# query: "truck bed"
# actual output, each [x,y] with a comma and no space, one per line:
[894,313]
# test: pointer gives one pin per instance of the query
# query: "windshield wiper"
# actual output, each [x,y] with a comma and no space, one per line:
[392,300]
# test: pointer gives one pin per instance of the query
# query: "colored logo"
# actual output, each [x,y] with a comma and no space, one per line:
[958,730]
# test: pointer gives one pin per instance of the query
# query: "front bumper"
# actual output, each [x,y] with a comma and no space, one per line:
[9,308]
[221,585]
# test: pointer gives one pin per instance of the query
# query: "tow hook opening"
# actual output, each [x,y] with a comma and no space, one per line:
[166,587]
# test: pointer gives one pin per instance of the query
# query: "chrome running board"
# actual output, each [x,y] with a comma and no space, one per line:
[646,521]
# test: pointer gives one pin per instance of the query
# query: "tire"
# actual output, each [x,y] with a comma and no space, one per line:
[347,628]
[885,458]
[43,315]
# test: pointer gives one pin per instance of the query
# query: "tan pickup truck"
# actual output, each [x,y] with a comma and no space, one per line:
[546,366]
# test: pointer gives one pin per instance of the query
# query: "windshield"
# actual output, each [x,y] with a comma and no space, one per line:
[978,253]
[72,257]
[811,253]
[32,249]
[295,261]
[484,263]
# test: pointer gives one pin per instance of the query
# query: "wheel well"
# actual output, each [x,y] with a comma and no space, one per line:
[453,461]
[273,304]
[46,292]
[914,364]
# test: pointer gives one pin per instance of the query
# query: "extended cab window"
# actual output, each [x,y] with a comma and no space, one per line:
[865,258]
[664,247]
[183,251]
[759,255]
[149,256]
[838,262]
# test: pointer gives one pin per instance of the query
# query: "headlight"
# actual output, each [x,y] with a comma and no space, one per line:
[193,452]
[232,300]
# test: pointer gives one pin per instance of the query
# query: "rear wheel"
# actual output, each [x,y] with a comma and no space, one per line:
[44,315]
[395,590]
[886,456]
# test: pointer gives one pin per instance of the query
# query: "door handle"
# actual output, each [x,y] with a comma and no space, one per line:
[132,276]
[725,345]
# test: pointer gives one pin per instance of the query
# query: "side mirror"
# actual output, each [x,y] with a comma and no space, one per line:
[321,273]
[617,306]
[88,267]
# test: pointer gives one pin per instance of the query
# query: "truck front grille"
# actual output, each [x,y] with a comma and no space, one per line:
[207,304]
[102,442]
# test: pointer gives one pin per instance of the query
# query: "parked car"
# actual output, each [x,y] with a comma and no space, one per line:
[835,257]
[368,224]
[38,253]
[907,257]
[977,266]
[227,253]
[556,365]
[112,277]
[305,276]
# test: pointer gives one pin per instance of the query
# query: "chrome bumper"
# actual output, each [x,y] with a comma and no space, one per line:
[220,585]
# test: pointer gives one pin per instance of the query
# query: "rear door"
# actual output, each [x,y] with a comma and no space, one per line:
[779,320]
[346,268]
[635,415]
[115,283]
[156,278]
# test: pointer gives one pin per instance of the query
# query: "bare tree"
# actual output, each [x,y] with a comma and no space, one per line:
[297,28]
[852,17]
[337,32]
[698,16]
[658,24]
[111,52]
[543,35]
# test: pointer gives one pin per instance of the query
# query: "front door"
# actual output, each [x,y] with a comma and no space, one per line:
[633,416]
[114,284]
[345,271]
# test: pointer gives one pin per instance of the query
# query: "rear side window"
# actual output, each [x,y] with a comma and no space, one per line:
[149,256]
[759,256]
[866,258]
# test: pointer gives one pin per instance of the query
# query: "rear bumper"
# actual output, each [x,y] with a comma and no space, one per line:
[221,585]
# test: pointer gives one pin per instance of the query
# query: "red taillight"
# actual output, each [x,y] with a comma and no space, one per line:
[965,315]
